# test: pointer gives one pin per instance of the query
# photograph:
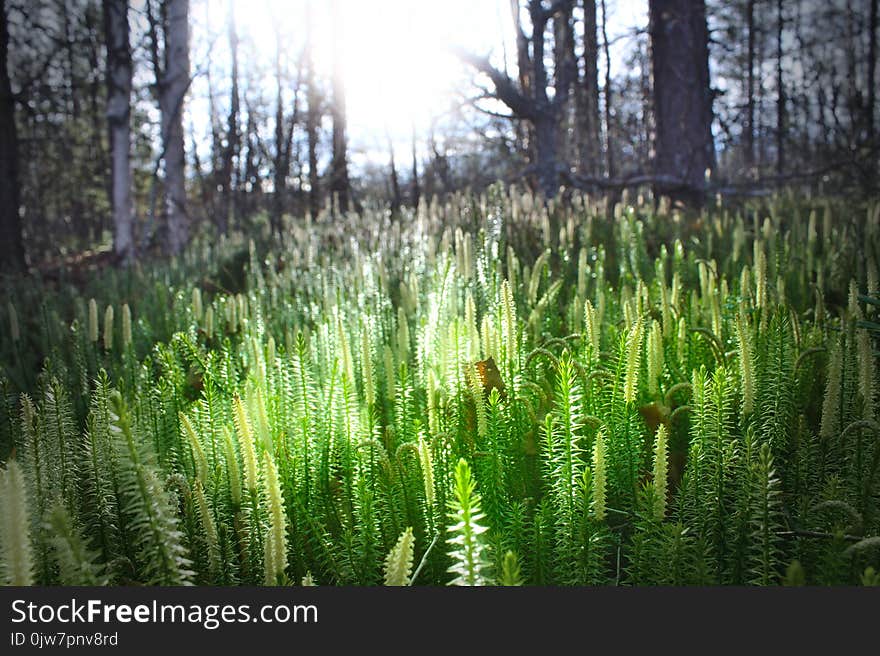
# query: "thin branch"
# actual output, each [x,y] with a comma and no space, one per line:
[505,89]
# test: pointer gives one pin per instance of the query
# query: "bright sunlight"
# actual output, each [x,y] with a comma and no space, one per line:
[394,55]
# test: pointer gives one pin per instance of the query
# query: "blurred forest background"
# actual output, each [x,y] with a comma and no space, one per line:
[130,127]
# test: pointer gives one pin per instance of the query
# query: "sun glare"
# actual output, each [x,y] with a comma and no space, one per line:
[395,55]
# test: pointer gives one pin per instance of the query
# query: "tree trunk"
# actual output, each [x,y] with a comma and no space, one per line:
[524,133]
[546,114]
[98,156]
[11,246]
[609,151]
[532,104]
[683,148]
[172,92]
[312,118]
[546,158]
[339,184]
[750,89]
[75,204]
[250,185]
[590,152]
[871,109]
[780,94]
[226,212]
[119,75]
[416,188]
[216,159]
[568,135]
[279,171]
[396,199]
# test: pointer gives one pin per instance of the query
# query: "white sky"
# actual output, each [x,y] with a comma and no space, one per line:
[395,54]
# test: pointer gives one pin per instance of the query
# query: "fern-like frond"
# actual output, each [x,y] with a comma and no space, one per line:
[398,564]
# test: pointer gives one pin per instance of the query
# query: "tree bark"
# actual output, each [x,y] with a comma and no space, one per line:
[172,91]
[414,185]
[119,76]
[339,183]
[871,109]
[568,133]
[75,203]
[279,171]
[283,140]
[590,152]
[396,198]
[250,184]
[750,89]
[97,154]
[683,147]
[225,214]
[524,134]
[533,104]
[11,244]
[312,118]
[780,94]
[609,151]
[547,113]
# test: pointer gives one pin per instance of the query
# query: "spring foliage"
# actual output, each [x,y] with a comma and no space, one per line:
[501,391]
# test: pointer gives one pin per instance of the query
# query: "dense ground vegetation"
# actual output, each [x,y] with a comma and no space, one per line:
[489,391]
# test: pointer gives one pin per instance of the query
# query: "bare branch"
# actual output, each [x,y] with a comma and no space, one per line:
[505,89]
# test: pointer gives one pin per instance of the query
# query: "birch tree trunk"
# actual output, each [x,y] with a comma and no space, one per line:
[119,74]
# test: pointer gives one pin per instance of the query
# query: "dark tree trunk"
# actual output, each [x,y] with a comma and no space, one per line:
[683,147]
[780,94]
[590,152]
[280,171]
[250,184]
[439,164]
[414,185]
[312,118]
[532,104]
[11,246]
[75,207]
[749,143]
[568,132]
[546,113]
[225,214]
[339,183]
[283,142]
[216,157]
[97,155]
[524,133]
[546,161]
[396,198]
[609,150]
[119,82]
[871,109]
